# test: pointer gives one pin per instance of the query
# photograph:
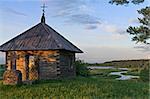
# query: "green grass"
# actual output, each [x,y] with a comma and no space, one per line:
[100,64]
[77,88]
[104,73]
[133,71]
[98,85]
[1,70]
[101,71]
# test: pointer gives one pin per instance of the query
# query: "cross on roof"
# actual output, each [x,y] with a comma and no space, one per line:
[43,8]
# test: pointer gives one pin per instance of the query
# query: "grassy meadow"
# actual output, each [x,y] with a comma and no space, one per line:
[96,85]
[78,88]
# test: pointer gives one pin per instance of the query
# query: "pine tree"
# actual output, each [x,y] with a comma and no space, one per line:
[140,33]
[122,2]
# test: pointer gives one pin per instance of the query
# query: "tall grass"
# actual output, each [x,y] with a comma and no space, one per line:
[144,75]
[78,88]
[81,87]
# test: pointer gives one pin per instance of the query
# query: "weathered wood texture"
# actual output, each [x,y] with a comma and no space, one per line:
[39,37]
[42,65]
[67,67]
[48,65]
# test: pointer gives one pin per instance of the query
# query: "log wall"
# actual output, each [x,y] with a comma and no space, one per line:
[48,64]
[43,64]
[67,67]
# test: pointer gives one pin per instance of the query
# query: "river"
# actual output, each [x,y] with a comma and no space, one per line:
[122,77]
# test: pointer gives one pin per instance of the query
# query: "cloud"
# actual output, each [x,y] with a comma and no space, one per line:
[118,37]
[85,8]
[81,12]
[143,48]
[133,21]
[75,11]
[84,19]
[107,53]
[15,12]
[111,28]
[91,27]
[61,7]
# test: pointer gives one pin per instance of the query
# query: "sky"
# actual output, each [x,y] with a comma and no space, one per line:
[95,26]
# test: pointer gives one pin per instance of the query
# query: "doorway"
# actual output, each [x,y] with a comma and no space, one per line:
[32,67]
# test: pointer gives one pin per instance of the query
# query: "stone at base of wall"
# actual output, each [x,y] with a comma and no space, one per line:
[12,77]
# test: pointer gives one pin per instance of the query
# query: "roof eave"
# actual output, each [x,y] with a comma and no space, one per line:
[41,50]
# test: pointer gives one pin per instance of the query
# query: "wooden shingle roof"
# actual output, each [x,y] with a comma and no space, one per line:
[39,37]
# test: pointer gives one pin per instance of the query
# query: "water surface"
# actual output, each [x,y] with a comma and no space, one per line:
[122,77]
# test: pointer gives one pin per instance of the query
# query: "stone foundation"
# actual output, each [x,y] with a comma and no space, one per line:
[12,77]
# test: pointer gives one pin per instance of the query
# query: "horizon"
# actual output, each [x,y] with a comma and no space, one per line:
[2,60]
[101,37]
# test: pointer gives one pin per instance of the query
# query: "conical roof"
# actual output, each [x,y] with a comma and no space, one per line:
[39,37]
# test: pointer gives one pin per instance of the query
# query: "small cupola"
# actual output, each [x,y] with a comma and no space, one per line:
[43,18]
[43,15]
